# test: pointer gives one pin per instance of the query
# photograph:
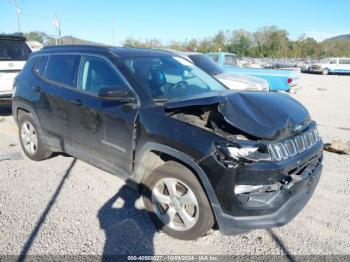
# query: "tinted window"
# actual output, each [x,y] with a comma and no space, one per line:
[344,61]
[12,50]
[96,73]
[230,60]
[62,69]
[206,64]
[41,65]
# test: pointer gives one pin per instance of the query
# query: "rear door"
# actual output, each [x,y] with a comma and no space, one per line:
[56,85]
[13,56]
[102,130]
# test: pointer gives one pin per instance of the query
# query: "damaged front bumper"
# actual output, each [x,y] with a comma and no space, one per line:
[263,195]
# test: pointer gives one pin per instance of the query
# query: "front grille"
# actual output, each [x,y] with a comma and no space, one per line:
[291,147]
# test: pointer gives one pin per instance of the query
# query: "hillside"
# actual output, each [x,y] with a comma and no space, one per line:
[339,37]
[337,46]
[71,40]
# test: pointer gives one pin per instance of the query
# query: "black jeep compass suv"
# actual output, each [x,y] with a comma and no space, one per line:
[200,153]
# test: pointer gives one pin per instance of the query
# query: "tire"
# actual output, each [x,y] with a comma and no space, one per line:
[198,213]
[325,71]
[30,139]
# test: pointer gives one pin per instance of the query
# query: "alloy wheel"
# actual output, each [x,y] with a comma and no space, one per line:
[175,204]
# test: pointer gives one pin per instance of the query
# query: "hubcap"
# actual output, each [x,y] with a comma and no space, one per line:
[175,204]
[29,138]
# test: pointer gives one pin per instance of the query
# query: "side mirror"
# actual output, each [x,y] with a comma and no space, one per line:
[120,94]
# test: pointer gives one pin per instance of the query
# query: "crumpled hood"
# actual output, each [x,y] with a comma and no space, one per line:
[265,115]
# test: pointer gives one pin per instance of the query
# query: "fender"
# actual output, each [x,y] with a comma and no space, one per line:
[208,189]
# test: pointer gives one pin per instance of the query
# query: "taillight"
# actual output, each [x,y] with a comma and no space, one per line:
[290,80]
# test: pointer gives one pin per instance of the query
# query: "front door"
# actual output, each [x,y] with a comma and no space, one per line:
[102,130]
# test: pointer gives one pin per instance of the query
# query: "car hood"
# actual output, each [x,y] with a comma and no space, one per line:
[250,82]
[265,115]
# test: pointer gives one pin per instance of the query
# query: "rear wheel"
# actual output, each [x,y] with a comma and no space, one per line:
[176,202]
[31,141]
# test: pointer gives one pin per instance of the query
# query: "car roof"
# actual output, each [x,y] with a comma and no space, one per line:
[12,37]
[119,51]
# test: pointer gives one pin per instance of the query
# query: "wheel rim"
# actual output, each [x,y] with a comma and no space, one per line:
[29,138]
[175,204]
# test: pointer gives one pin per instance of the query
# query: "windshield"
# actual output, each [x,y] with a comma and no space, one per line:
[207,64]
[12,50]
[168,77]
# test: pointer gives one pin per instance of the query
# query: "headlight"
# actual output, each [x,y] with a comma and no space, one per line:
[259,153]
[236,153]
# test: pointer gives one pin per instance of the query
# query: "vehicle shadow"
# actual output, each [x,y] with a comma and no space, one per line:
[128,229]
[5,110]
[40,222]
[281,244]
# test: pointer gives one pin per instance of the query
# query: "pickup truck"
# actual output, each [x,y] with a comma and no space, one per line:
[279,80]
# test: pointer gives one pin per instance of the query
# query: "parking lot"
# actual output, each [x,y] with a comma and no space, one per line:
[66,207]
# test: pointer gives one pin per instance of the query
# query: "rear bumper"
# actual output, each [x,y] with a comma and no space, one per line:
[298,196]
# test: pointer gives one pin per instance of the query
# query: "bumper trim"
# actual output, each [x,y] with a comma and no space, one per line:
[303,191]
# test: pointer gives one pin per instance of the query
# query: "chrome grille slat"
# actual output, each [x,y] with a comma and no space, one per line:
[291,147]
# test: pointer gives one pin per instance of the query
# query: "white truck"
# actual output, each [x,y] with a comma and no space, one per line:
[334,65]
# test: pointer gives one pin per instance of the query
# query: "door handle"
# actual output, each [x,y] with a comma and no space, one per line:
[76,102]
[36,89]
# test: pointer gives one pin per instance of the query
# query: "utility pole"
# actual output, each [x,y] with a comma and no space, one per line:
[18,12]
[113,30]
[57,24]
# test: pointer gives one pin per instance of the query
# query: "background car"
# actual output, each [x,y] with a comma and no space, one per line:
[279,80]
[13,55]
[334,65]
[229,79]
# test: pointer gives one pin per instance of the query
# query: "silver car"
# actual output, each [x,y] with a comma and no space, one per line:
[231,80]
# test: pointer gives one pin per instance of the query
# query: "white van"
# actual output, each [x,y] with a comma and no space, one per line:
[336,65]
[14,53]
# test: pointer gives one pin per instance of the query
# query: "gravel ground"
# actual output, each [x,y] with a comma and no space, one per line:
[66,207]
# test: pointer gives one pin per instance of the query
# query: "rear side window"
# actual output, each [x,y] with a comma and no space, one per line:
[12,50]
[62,69]
[40,66]
[344,61]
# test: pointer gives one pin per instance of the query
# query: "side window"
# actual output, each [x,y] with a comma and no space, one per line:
[230,60]
[96,73]
[344,61]
[333,61]
[40,66]
[62,69]
[215,58]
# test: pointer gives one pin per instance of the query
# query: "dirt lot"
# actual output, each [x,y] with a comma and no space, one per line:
[64,206]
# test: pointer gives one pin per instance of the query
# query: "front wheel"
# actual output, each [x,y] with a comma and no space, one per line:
[176,202]
[325,71]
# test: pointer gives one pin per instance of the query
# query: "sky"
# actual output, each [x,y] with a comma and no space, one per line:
[175,19]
